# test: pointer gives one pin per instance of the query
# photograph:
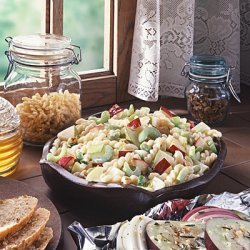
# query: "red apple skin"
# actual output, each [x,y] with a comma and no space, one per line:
[173,148]
[115,109]
[167,112]
[66,160]
[136,123]
[123,152]
[161,166]
[192,124]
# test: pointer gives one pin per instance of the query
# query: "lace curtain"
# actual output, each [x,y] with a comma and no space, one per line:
[168,32]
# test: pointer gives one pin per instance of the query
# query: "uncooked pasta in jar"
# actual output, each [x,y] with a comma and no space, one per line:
[42,117]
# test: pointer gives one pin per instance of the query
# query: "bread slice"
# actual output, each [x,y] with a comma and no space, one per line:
[43,240]
[15,213]
[28,234]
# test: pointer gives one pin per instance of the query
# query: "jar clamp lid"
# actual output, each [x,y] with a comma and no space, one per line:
[41,51]
[212,69]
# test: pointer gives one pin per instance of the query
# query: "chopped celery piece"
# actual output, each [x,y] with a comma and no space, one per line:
[95,148]
[145,146]
[191,152]
[103,156]
[128,171]
[103,119]
[148,133]
[142,181]
[196,169]
[112,127]
[201,127]
[182,175]
[131,109]
[55,158]
[79,158]
[212,146]
[176,120]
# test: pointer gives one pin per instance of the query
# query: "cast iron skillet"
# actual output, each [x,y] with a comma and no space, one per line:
[127,199]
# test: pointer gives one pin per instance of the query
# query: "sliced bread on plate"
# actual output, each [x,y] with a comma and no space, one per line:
[29,233]
[43,240]
[15,213]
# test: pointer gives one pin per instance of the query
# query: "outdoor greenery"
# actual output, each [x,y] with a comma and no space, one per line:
[83,22]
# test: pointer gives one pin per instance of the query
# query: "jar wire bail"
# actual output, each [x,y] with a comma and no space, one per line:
[8,40]
[229,83]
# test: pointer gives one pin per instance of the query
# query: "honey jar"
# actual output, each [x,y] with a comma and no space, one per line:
[10,138]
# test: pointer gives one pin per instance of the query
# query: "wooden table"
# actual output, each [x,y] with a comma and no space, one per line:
[234,176]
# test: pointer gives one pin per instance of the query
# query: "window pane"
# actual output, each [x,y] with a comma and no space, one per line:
[84,24]
[17,17]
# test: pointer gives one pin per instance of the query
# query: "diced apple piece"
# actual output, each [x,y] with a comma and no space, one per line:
[201,143]
[97,128]
[161,155]
[136,123]
[115,109]
[66,133]
[161,166]
[123,152]
[142,165]
[157,183]
[94,175]
[66,161]
[176,145]
[167,112]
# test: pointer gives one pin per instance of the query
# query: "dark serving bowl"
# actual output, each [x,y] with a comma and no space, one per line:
[126,199]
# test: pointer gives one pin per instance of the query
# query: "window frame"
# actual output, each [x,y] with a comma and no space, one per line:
[109,85]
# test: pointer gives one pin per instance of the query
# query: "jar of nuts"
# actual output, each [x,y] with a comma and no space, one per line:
[42,84]
[208,93]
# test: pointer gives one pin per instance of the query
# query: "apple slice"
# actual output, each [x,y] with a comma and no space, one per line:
[201,143]
[115,109]
[95,174]
[123,152]
[160,155]
[142,165]
[66,133]
[66,161]
[167,112]
[176,145]
[133,129]
[161,166]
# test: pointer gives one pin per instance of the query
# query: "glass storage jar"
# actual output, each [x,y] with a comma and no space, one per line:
[42,84]
[208,93]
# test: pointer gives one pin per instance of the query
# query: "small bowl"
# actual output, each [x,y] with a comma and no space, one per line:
[127,199]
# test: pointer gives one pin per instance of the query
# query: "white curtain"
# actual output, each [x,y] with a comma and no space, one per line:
[168,32]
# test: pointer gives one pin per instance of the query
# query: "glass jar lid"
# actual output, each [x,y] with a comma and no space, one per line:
[207,65]
[40,42]
[42,50]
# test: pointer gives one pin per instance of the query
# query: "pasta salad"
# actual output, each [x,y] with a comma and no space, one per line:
[151,150]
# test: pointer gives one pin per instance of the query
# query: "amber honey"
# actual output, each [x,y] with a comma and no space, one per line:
[10,151]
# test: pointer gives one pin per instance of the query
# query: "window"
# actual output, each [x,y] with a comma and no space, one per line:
[15,21]
[106,82]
